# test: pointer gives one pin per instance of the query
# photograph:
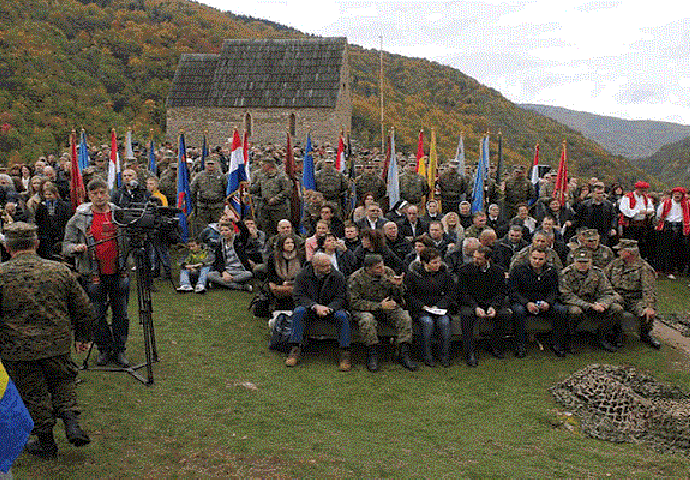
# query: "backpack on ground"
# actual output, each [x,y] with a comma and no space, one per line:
[281,331]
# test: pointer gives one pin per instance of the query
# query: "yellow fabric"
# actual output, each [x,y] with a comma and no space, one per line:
[163,198]
[4,379]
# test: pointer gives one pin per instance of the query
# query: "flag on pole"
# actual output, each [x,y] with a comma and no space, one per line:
[421,159]
[308,180]
[76,182]
[152,157]
[83,152]
[433,165]
[535,176]
[340,161]
[393,183]
[15,422]
[562,177]
[478,190]
[204,151]
[350,158]
[114,177]
[184,191]
[386,159]
[236,173]
[129,152]
[499,165]
[245,152]
[460,155]
[290,171]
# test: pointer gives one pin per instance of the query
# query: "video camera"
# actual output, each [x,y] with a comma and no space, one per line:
[147,216]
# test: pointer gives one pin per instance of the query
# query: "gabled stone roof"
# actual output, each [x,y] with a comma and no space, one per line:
[262,73]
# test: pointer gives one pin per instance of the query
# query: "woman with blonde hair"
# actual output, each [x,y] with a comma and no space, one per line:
[452,227]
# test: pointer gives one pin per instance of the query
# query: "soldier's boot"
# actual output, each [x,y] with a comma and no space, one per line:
[604,343]
[651,341]
[44,446]
[405,359]
[104,356]
[372,358]
[74,433]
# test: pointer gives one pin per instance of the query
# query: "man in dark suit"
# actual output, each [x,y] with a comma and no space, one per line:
[373,220]
[413,226]
[598,213]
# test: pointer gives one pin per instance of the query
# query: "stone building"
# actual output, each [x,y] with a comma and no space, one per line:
[266,86]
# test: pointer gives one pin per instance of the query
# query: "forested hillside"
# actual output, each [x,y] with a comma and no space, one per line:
[109,63]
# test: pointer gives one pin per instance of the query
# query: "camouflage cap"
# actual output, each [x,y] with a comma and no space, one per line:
[626,243]
[371,259]
[590,234]
[582,254]
[20,230]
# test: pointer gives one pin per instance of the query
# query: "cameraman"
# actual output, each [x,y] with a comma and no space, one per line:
[91,236]
[130,192]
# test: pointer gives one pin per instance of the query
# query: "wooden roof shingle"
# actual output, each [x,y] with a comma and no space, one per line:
[296,73]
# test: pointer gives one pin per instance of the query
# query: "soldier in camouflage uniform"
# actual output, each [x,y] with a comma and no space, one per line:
[369,182]
[454,188]
[586,290]
[208,191]
[274,188]
[375,293]
[539,240]
[332,184]
[413,187]
[634,280]
[42,303]
[518,190]
[168,183]
[601,254]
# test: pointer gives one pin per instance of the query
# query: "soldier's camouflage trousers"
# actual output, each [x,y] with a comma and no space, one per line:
[636,307]
[47,387]
[368,323]
[604,321]
[206,214]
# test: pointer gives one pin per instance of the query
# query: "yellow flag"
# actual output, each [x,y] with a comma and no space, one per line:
[433,162]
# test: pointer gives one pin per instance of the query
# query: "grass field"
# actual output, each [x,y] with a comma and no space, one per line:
[201,418]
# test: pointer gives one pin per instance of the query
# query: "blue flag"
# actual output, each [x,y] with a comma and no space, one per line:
[152,157]
[308,169]
[83,159]
[15,422]
[184,191]
[478,190]
[204,153]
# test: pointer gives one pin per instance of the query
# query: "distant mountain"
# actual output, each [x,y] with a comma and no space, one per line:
[628,138]
[100,64]
[671,163]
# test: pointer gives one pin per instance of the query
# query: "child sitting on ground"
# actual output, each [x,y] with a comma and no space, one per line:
[196,265]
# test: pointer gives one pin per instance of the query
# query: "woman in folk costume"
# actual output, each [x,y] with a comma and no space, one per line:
[637,209]
[673,227]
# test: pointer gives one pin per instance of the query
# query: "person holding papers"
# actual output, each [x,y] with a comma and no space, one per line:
[429,296]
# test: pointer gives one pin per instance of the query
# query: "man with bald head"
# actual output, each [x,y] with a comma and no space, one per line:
[130,192]
[413,226]
[395,241]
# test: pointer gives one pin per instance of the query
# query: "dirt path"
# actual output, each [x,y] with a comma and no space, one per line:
[672,337]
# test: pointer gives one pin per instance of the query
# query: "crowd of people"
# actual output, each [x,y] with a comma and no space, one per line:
[352,259]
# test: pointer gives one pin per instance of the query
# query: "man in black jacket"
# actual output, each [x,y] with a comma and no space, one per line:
[482,296]
[598,213]
[320,293]
[508,246]
[533,289]
[395,241]
[230,267]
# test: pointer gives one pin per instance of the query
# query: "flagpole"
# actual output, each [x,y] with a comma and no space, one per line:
[383,147]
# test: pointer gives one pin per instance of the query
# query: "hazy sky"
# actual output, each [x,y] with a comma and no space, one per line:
[624,58]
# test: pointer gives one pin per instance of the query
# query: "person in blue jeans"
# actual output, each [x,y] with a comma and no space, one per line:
[196,265]
[430,293]
[320,293]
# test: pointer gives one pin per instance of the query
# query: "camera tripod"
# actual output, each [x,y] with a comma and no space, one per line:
[138,251]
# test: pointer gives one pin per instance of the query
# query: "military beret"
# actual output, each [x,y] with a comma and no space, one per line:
[582,253]
[20,230]
[626,243]
[641,185]
[679,190]
[371,259]
[590,234]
